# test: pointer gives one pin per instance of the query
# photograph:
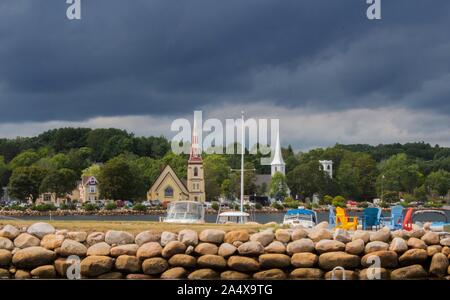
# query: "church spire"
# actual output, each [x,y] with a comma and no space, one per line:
[277,164]
[195,152]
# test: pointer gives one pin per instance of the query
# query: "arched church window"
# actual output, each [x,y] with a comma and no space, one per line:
[168,192]
[328,167]
[195,171]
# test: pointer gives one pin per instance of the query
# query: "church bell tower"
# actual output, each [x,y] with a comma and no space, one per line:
[195,172]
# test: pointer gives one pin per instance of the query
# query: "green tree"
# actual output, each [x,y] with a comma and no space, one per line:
[93,170]
[307,179]
[177,162]
[61,182]
[25,182]
[278,186]
[216,171]
[228,188]
[438,181]
[24,159]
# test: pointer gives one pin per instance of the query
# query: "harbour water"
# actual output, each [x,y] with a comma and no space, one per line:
[211,218]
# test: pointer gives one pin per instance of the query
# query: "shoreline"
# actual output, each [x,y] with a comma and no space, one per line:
[130,212]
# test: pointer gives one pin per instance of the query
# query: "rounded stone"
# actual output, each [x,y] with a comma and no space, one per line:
[236,235]
[361,234]
[233,275]
[33,257]
[5,258]
[272,274]
[111,275]
[275,247]
[269,261]
[330,260]
[243,264]
[174,273]
[341,275]
[9,232]
[40,229]
[52,241]
[167,237]
[298,234]
[304,260]
[373,273]
[252,248]
[188,237]
[21,274]
[283,235]
[214,236]
[431,238]
[355,247]
[183,260]
[96,265]
[206,248]
[172,248]
[416,243]
[95,237]
[433,249]
[155,265]
[6,244]
[376,246]
[413,256]
[102,249]
[147,236]
[71,247]
[79,236]
[127,249]
[398,245]
[202,274]
[320,234]
[388,259]
[323,246]
[264,237]
[409,272]
[342,236]
[115,237]
[226,250]
[439,265]
[445,242]
[139,276]
[306,273]
[212,261]
[44,272]
[128,264]
[301,245]
[382,235]
[149,250]
[25,240]
[4,273]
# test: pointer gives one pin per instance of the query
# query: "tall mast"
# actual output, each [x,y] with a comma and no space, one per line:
[242,161]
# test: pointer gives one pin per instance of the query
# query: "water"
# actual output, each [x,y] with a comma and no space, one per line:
[211,218]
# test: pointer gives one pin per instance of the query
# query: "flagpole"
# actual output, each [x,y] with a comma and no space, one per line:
[242,161]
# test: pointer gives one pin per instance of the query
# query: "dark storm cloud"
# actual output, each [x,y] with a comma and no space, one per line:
[168,57]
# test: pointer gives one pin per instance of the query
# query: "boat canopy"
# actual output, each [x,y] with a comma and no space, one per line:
[234,214]
[301,212]
[431,211]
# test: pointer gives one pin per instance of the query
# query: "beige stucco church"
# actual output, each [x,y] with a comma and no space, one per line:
[168,187]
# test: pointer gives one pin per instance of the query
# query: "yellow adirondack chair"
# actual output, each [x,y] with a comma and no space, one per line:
[345,222]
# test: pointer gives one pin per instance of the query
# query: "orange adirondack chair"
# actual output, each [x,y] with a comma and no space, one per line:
[407,221]
[345,222]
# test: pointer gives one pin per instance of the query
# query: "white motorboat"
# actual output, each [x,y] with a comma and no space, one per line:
[185,212]
[301,216]
[233,217]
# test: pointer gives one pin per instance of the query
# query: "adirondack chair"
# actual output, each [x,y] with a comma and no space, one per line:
[395,221]
[371,217]
[345,222]
[331,217]
[407,221]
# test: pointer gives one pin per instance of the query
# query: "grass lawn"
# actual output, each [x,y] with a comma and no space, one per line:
[131,226]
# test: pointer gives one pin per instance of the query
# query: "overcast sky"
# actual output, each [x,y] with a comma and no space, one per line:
[328,73]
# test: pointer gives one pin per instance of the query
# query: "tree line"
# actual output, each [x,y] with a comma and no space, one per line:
[126,166]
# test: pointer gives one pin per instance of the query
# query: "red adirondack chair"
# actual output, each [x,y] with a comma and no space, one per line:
[407,221]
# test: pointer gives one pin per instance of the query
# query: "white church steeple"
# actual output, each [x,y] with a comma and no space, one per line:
[277,164]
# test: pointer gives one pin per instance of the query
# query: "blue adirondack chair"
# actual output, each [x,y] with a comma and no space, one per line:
[371,217]
[331,217]
[396,219]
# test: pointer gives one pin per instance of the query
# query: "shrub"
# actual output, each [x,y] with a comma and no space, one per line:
[327,200]
[44,207]
[277,206]
[215,205]
[404,203]
[258,206]
[111,206]
[67,206]
[88,206]
[139,207]
[16,207]
[338,201]
[384,204]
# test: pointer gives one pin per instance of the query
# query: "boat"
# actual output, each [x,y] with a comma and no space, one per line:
[436,226]
[238,217]
[185,212]
[300,216]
